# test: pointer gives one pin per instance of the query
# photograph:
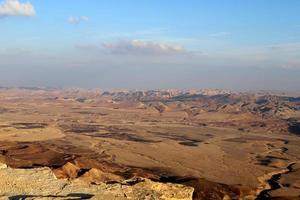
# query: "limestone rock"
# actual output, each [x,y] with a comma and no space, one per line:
[41,183]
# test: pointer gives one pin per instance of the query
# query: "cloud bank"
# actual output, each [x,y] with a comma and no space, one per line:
[140,47]
[138,64]
[16,8]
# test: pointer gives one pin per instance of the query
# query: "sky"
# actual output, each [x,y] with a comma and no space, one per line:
[151,44]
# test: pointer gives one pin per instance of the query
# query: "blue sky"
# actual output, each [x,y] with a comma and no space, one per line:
[233,44]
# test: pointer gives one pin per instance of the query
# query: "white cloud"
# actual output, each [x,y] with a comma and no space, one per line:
[16,8]
[77,20]
[220,34]
[139,47]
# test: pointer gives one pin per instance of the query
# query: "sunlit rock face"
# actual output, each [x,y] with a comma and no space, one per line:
[41,183]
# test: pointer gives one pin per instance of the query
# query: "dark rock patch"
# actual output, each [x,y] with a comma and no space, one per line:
[124,136]
[294,127]
[191,143]
[27,125]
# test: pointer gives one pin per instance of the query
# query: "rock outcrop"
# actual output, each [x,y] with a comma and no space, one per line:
[41,183]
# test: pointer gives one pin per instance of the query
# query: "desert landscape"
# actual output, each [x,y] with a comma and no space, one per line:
[149,100]
[152,144]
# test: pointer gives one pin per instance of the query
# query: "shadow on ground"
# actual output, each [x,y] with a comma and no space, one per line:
[75,196]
